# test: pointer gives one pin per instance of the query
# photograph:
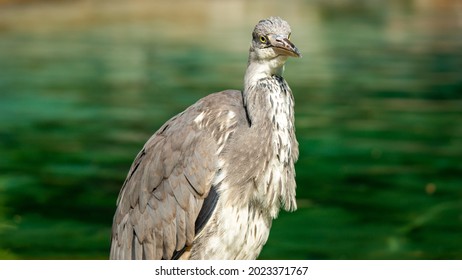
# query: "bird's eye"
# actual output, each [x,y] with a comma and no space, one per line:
[263,39]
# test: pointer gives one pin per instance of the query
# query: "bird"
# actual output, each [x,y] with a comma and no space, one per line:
[208,184]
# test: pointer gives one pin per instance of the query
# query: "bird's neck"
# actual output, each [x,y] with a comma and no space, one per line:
[258,85]
[257,70]
[269,107]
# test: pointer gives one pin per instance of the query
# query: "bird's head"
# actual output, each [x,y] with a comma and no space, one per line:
[271,45]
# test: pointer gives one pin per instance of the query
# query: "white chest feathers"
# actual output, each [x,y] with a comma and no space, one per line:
[240,233]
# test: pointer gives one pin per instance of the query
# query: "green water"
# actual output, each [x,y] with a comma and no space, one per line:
[378,113]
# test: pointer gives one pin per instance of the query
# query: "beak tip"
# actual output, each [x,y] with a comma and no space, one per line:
[297,54]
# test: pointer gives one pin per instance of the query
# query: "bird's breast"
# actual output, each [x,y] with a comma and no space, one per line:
[235,232]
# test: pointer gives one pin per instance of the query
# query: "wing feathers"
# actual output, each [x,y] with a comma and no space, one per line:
[137,249]
[180,228]
[168,181]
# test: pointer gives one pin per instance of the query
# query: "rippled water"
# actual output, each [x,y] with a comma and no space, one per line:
[378,111]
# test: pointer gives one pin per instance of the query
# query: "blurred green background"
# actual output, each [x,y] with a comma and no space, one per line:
[83,84]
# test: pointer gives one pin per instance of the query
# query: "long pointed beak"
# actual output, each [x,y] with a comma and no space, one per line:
[283,46]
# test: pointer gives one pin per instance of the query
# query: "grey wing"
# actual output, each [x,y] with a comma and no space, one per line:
[167,195]
[163,193]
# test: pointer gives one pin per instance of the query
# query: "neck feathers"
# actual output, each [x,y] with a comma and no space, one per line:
[258,69]
[263,79]
[270,109]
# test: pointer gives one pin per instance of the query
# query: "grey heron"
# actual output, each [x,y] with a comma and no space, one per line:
[209,182]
